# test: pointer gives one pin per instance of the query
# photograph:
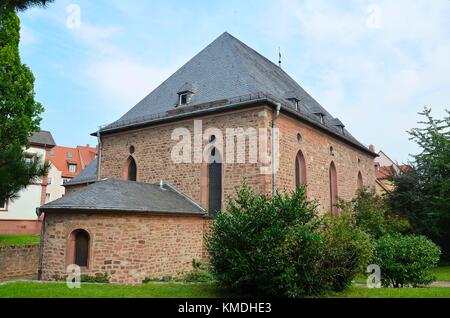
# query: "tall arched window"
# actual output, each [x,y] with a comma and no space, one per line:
[333,188]
[300,170]
[130,171]
[214,183]
[360,182]
[78,249]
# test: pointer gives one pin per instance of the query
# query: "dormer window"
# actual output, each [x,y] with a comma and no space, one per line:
[319,112]
[337,123]
[293,98]
[183,99]
[321,118]
[185,94]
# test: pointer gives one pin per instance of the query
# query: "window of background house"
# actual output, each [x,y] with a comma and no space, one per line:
[72,168]
[49,180]
[69,155]
[29,159]
[47,197]
[52,152]
[2,205]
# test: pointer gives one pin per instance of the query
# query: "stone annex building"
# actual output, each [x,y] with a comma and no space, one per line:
[123,220]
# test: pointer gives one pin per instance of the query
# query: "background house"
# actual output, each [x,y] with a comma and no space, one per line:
[385,168]
[19,216]
[66,164]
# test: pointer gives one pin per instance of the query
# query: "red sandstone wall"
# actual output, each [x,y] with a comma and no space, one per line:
[153,155]
[20,227]
[18,261]
[127,247]
[316,150]
[153,148]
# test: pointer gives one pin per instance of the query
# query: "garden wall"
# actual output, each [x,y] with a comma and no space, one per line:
[18,261]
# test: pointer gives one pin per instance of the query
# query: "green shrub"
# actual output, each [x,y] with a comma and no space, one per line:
[348,251]
[200,273]
[373,215]
[278,247]
[406,260]
[97,278]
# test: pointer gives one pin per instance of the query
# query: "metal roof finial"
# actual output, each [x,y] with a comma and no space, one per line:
[279,57]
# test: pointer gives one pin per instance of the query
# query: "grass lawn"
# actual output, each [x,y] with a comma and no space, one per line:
[430,292]
[19,240]
[442,274]
[60,290]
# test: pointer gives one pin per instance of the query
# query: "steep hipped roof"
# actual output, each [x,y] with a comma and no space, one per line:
[226,73]
[43,138]
[125,196]
[88,175]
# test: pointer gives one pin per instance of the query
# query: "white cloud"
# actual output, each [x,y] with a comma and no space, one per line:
[123,82]
[375,80]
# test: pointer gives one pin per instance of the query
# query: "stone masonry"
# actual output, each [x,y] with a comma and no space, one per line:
[127,247]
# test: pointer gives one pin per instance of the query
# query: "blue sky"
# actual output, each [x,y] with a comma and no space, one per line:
[374,64]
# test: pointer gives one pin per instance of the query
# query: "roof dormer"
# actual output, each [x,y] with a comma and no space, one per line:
[337,123]
[292,97]
[185,94]
[319,112]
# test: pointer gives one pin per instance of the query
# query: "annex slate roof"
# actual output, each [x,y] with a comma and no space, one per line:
[88,175]
[42,137]
[126,196]
[227,72]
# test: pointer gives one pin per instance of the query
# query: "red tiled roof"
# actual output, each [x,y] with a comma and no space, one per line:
[81,156]
[384,172]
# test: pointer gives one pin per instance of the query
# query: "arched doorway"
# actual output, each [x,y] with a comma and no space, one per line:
[78,249]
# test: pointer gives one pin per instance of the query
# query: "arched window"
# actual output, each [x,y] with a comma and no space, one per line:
[214,183]
[78,249]
[300,170]
[360,182]
[333,188]
[130,170]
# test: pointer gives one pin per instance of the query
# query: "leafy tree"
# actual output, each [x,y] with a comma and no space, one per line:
[22,5]
[373,214]
[423,193]
[19,112]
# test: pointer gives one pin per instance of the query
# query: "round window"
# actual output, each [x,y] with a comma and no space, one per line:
[132,149]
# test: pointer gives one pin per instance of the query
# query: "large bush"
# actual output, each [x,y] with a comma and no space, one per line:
[373,215]
[406,260]
[280,247]
[348,251]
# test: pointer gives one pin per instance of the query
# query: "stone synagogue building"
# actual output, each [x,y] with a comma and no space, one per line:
[139,213]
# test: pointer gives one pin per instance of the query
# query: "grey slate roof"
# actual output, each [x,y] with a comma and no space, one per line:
[126,196]
[42,138]
[88,175]
[226,72]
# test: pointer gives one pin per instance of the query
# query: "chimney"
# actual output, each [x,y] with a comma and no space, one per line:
[372,148]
